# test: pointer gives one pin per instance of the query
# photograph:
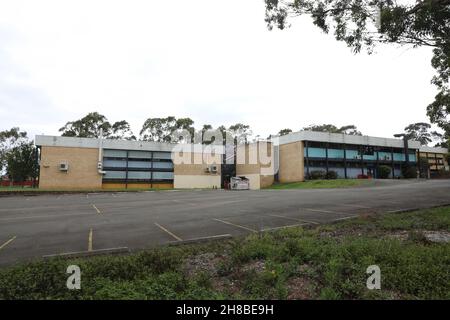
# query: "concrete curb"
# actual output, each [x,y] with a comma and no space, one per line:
[200,240]
[118,250]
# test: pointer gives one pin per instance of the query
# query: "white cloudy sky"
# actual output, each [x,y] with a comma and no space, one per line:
[214,61]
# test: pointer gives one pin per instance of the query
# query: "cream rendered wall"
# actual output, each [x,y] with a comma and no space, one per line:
[192,173]
[255,181]
[196,181]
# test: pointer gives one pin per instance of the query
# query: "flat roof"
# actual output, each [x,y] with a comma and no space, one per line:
[353,139]
[75,142]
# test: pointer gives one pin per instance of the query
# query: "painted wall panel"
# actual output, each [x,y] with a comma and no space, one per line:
[196,181]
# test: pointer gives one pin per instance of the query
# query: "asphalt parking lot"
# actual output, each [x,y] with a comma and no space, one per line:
[43,225]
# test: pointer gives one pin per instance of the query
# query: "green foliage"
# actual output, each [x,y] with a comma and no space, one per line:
[331,175]
[349,129]
[90,125]
[409,171]
[169,129]
[317,174]
[21,162]
[240,132]
[262,266]
[284,132]
[420,131]
[363,24]
[384,172]
[8,140]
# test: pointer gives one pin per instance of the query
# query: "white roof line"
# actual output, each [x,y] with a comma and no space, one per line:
[75,142]
[352,139]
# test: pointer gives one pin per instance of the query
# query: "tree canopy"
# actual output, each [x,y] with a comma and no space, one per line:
[90,125]
[284,132]
[365,23]
[240,132]
[21,161]
[420,131]
[8,140]
[331,128]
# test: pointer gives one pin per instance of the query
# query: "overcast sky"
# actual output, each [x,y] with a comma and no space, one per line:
[214,61]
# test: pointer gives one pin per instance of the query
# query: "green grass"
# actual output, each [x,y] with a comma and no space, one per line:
[322,184]
[324,262]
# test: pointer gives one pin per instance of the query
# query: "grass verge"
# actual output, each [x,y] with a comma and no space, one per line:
[324,262]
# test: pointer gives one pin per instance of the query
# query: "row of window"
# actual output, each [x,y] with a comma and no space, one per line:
[331,165]
[123,165]
[353,172]
[355,154]
[138,175]
[365,149]
[107,153]
[137,164]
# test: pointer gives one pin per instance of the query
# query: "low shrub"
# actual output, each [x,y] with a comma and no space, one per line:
[384,172]
[317,175]
[331,175]
[409,171]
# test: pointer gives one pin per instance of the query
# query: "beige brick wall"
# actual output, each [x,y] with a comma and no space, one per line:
[266,181]
[248,164]
[82,173]
[196,164]
[292,162]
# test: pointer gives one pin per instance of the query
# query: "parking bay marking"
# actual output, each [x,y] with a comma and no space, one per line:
[321,211]
[284,227]
[96,209]
[355,206]
[235,225]
[167,231]
[90,240]
[294,219]
[7,242]
[345,218]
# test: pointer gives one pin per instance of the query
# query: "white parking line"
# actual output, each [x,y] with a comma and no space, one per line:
[45,216]
[227,235]
[293,219]
[283,227]
[321,211]
[99,251]
[167,231]
[7,242]
[96,209]
[355,206]
[236,225]
[345,218]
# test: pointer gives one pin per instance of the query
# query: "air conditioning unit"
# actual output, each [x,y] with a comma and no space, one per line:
[207,170]
[64,166]
[214,169]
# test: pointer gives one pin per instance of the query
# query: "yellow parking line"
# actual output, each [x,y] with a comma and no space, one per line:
[7,242]
[96,209]
[170,233]
[90,240]
[236,225]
